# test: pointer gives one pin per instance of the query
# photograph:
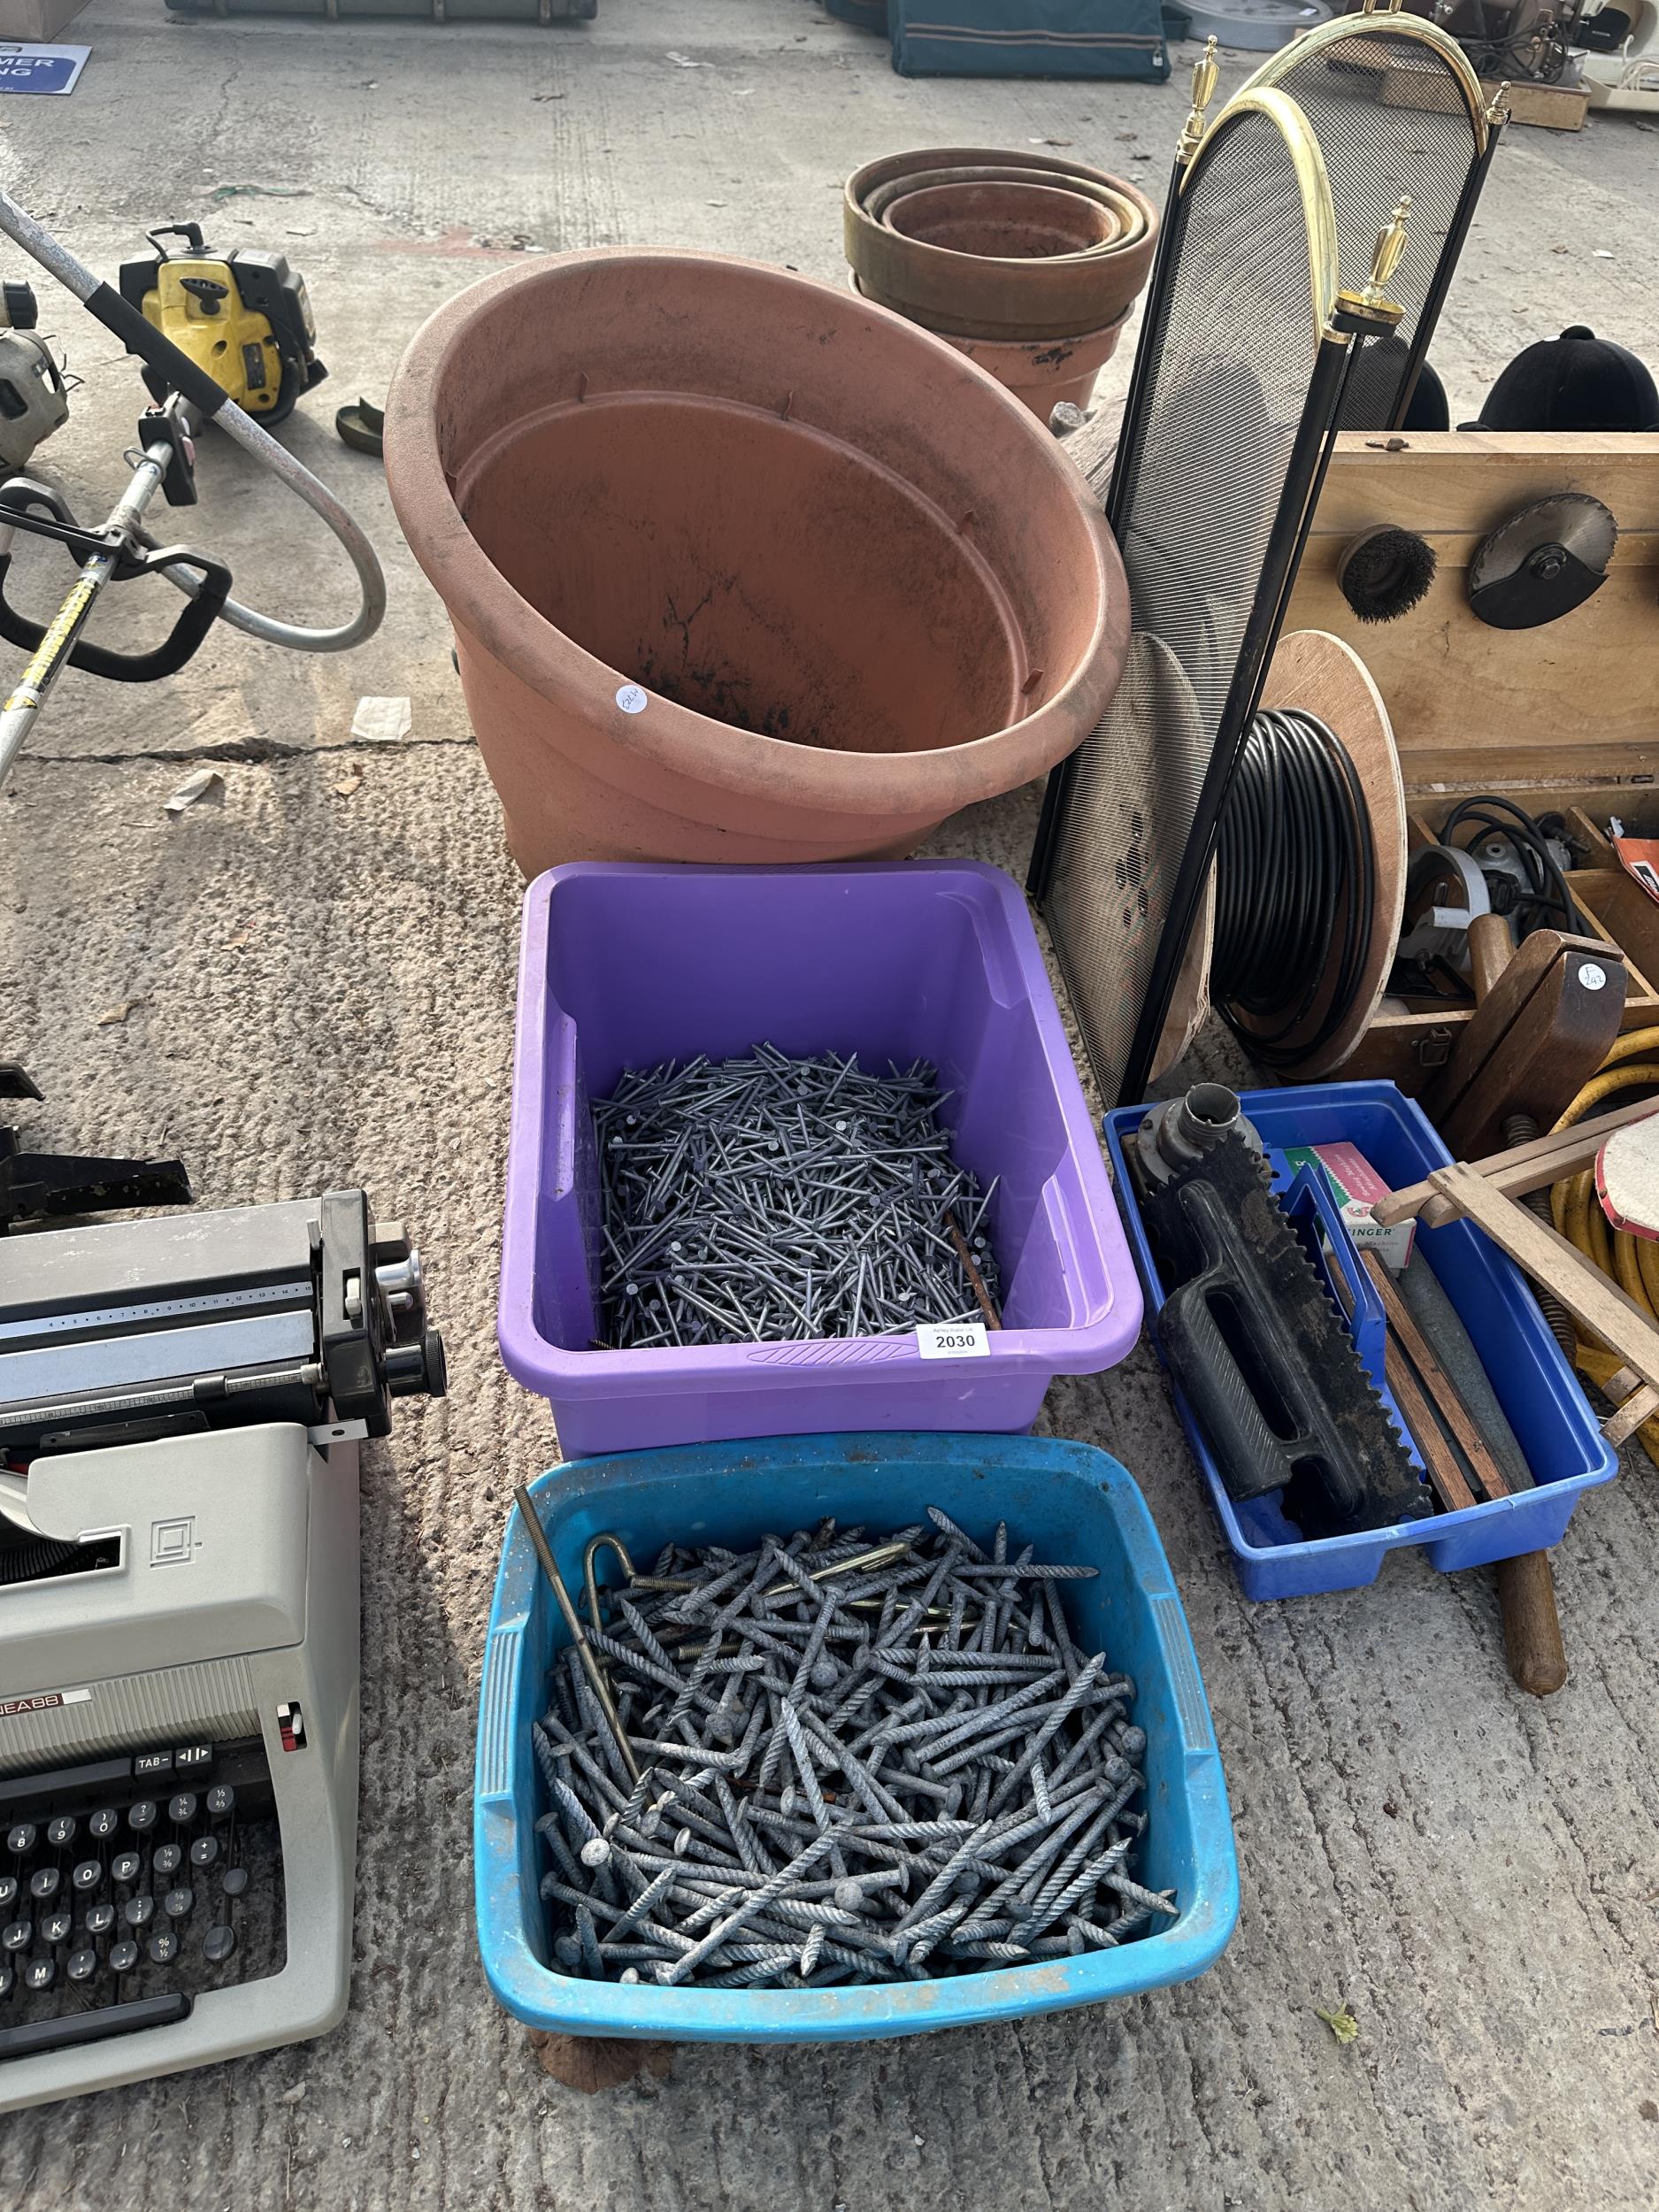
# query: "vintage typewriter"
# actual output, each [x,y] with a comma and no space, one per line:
[181,1406]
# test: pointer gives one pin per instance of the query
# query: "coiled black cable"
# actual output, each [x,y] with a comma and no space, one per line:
[1296,886]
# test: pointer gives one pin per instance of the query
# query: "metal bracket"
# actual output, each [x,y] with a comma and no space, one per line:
[328,1432]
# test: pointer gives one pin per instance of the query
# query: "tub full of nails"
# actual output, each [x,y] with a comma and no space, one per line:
[865,1754]
[798,1150]
[766,1198]
[861,1778]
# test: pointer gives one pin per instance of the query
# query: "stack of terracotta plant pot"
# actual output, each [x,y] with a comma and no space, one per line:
[1026,263]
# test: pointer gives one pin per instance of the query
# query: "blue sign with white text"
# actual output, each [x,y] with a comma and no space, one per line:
[39,68]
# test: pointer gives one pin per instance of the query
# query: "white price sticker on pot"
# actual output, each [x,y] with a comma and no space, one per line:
[632,700]
[953,1339]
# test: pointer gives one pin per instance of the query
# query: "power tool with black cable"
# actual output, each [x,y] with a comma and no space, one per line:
[1509,863]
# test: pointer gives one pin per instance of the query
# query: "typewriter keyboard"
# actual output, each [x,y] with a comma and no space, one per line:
[131,1885]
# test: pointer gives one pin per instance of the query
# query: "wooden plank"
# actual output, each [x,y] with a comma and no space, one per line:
[1525,1167]
[1392,1047]
[1547,1256]
[1530,770]
[1550,107]
[1584,826]
[1445,1475]
[1457,690]
[1454,486]
[1636,1408]
[1470,703]
[1616,903]
[1446,1403]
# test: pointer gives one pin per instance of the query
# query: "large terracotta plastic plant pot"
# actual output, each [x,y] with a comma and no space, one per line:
[742,567]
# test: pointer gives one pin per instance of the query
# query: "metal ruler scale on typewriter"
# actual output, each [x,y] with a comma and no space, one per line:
[180,1407]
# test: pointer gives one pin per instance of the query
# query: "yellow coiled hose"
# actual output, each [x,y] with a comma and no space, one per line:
[1633,1262]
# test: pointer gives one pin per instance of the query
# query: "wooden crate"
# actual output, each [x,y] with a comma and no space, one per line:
[1563,720]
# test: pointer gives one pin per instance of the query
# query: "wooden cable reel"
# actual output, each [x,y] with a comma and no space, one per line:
[1322,676]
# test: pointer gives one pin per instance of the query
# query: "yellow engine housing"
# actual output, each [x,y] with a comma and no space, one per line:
[235,345]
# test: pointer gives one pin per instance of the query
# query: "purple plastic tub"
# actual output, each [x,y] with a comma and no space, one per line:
[626,965]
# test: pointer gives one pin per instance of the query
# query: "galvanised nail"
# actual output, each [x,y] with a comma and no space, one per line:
[1080,1865]
[639,1910]
[802,1861]
[1144,1899]
[952,1729]
[1059,1714]
[1101,1938]
[952,1754]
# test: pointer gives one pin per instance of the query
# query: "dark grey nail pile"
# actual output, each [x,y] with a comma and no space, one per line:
[862,1761]
[756,1200]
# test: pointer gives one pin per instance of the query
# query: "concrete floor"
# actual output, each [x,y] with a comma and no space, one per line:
[311,984]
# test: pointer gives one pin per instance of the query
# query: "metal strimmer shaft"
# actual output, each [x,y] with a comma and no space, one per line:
[208,403]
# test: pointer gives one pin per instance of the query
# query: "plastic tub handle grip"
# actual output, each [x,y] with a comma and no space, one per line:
[1368,1324]
[1191,1708]
[496,1704]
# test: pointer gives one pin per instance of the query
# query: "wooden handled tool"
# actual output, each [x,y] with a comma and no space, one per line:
[1536,1027]
[1555,1031]
[1531,1624]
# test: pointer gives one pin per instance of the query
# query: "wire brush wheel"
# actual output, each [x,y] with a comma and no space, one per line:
[1385,573]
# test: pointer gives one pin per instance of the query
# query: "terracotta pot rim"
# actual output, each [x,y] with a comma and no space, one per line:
[945,260]
[1023,196]
[878,202]
[481,600]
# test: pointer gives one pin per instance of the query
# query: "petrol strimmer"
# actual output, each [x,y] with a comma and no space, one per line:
[250,334]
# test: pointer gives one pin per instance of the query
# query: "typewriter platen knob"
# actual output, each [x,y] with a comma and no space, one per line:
[410,1368]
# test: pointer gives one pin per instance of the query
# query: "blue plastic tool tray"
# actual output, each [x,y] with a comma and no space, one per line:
[1072,1503]
[1537,1389]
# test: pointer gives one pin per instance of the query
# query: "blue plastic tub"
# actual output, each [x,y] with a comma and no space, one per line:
[1072,1503]
[1537,1389]
[626,964]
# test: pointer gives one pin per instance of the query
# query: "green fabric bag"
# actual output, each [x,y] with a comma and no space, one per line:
[1028,38]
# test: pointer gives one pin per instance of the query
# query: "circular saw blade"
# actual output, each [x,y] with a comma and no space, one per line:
[1543,561]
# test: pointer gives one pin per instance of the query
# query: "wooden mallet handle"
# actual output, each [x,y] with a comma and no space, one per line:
[1531,1624]
[1526,1586]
